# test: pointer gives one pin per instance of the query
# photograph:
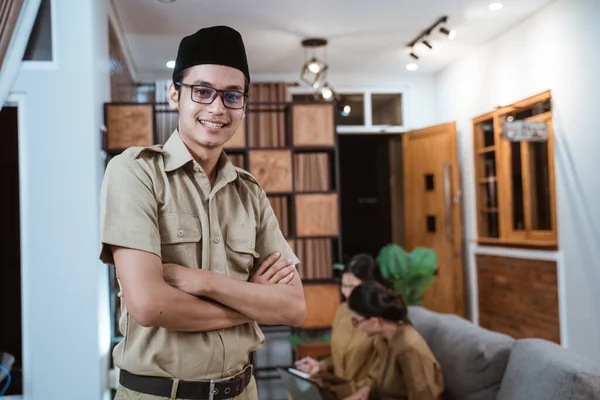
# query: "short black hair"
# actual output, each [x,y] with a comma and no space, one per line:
[366,268]
[371,299]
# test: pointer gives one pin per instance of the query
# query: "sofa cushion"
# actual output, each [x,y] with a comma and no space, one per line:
[542,370]
[473,359]
[425,321]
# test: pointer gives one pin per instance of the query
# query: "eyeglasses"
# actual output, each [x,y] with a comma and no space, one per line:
[206,95]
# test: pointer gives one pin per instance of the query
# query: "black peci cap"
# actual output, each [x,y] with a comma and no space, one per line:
[220,45]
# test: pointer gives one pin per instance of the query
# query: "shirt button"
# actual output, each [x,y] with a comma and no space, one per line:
[251,245]
[217,239]
[196,168]
[180,233]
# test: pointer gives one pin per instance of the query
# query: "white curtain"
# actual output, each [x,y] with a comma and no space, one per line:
[16,21]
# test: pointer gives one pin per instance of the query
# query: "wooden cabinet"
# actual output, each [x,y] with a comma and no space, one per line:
[515,183]
[486,178]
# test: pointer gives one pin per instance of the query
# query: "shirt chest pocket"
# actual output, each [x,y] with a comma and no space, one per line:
[180,237]
[240,247]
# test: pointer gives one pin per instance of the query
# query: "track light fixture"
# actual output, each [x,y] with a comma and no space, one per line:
[427,32]
[450,33]
[423,37]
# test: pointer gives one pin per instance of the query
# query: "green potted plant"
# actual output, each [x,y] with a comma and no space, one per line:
[410,273]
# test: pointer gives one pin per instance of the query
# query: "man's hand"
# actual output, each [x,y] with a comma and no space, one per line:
[184,279]
[273,271]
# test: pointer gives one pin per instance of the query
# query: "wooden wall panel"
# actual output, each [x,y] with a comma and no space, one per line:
[315,258]
[236,159]
[311,172]
[321,304]
[317,215]
[281,209]
[272,169]
[266,114]
[129,125]
[518,297]
[397,191]
[313,125]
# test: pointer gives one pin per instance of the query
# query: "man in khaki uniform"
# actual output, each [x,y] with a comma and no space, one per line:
[185,230]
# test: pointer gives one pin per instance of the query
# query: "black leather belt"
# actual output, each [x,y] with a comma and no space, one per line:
[216,389]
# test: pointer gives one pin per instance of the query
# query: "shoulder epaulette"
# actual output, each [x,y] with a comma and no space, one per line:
[137,151]
[242,173]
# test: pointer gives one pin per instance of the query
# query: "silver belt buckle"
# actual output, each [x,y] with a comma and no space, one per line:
[212,391]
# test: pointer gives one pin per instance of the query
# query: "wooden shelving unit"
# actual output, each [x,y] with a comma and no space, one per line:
[301,178]
[515,182]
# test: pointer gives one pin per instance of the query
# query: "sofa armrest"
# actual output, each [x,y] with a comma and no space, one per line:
[542,370]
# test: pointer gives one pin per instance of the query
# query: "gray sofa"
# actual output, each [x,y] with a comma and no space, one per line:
[479,364]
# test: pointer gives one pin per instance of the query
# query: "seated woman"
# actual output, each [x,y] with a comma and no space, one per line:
[353,353]
[409,368]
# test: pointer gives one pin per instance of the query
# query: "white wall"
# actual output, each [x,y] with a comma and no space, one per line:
[556,49]
[65,300]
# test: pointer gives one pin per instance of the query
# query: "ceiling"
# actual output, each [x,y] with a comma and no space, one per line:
[365,37]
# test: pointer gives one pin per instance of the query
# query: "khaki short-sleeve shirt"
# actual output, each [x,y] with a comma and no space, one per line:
[354,355]
[409,370]
[159,200]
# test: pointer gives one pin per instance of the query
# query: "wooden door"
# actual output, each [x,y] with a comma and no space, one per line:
[432,210]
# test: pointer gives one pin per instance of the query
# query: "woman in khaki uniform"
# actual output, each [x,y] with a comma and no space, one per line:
[409,369]
[353,353]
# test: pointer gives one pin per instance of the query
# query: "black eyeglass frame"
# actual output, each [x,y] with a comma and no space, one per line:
[217,93]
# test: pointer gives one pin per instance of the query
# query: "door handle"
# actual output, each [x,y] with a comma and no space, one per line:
[456,199]
[448,201]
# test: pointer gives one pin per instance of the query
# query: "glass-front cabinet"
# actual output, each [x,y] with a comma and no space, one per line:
[486,178]
[514,174]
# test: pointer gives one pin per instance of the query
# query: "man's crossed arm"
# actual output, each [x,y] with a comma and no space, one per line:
[187,299]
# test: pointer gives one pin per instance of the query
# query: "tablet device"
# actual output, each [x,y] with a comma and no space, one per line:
[299,384]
